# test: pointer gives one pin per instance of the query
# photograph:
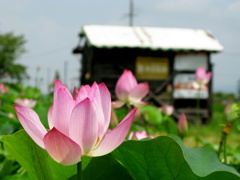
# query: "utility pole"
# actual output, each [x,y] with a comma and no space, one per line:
[131,14]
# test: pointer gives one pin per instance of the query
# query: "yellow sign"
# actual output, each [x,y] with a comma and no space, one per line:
[152,68]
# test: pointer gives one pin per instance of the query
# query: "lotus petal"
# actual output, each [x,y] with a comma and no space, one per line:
[124,85]
[139,92]
[31,123]
[62,109]
[61,148]
[114,137]
[84,125]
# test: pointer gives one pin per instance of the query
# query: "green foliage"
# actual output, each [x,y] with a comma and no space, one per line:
[8,120]
[105,167]
[152,114]
[220,97]
[34,159]
[11,48]
[234,113]
[9,168]
[169,125]
[150,119]
[164,157]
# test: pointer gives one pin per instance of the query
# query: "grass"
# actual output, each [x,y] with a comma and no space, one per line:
[210,134]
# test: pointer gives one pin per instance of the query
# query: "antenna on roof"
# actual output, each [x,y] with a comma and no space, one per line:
[131,14]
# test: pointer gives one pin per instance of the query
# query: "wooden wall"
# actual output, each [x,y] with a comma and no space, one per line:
[106,65]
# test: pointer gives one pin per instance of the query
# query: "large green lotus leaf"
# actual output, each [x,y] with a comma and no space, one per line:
[166,157]
[37,162]
[104,167]
[203,161]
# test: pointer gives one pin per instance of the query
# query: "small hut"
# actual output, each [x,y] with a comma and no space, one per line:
[162,56]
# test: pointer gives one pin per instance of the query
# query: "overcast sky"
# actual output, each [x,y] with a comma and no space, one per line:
[51,29]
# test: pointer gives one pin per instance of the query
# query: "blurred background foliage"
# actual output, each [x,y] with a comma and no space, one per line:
[11,48]
[149,118]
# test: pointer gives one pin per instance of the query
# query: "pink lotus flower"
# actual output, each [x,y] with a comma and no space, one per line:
[11,115]
[227,109]
[182,124]
[202,77]
[138,135]
[78,124]
[129,91]
[26,102]
[3,88]
[167,109]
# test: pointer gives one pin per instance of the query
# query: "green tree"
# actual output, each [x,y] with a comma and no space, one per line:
[11,48]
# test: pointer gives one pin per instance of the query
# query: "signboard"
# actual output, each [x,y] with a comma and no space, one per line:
[190,61]
[183,88]
[152,68]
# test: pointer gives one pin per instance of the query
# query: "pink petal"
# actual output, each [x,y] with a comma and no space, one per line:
[168,109]
[124,85]
[106,104]
[83,125]
[138,135]
[75,93]
[114,137]
[58,84]
[117,104]
[61,148]
[139,92]
[31,123]
[96,98]
[94,89]
[227,109]
[209,75]
[62,109]
[182,123]
[200,73]
[26,102]
[82,93]
[50,117]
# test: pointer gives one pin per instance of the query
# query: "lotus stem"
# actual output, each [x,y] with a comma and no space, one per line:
[79,171]
[223,141]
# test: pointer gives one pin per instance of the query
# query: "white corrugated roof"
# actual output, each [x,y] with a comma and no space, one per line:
[176,39]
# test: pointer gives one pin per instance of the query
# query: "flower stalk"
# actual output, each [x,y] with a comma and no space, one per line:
[198,106]
[223,141]
[79,171]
